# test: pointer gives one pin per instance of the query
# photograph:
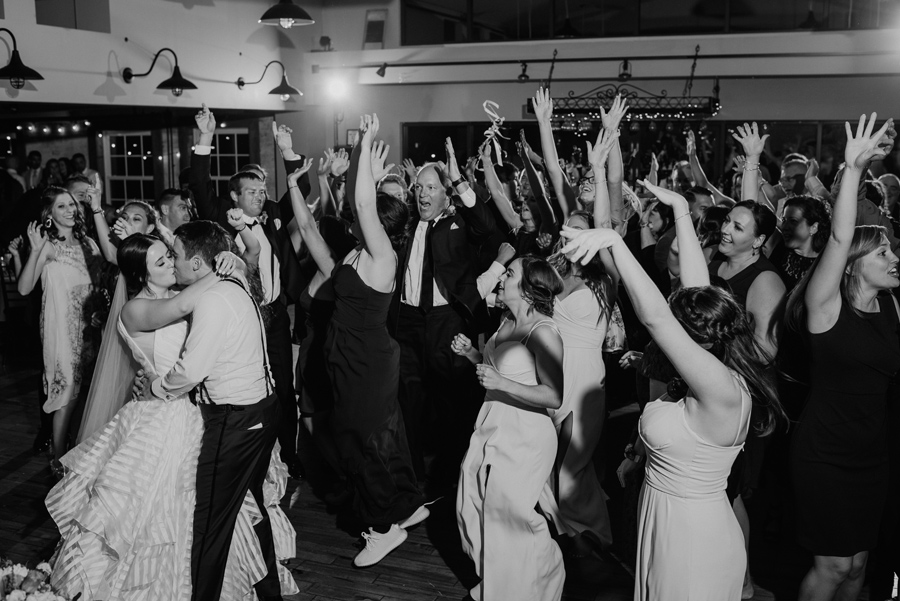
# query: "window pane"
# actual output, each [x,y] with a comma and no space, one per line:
[227,166]
[225,144]
[214,166]
[134,165]
[147,142]
[149,190]
[117,166]
[132,189]
[243,143]
[117,189]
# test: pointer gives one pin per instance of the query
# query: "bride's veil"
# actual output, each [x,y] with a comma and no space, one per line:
[113,375]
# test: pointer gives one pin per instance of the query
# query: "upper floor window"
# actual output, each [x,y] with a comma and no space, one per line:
[89,15]
[426,22]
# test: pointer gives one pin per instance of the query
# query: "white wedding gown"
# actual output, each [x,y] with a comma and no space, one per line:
[125,507]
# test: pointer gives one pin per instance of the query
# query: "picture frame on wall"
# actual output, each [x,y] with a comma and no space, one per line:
[352,137]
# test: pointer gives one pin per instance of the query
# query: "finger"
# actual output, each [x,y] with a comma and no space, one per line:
[204,108]
[871,125]
[884,128]
[861,126]
[847,130]
[274,128]
[763,139]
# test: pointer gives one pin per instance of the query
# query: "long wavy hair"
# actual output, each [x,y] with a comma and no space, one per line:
[79,230]
[711,316]
[866,238]
[593,274]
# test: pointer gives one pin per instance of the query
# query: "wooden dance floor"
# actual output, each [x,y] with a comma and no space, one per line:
[429,565]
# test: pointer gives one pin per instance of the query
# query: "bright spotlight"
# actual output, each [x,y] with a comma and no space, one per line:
[337,88]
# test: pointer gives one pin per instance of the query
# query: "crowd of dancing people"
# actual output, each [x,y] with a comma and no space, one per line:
[456,322]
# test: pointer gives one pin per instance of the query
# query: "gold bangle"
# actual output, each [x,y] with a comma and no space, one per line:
[682,215]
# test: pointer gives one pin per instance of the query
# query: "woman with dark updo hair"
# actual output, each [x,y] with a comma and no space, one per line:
[125,507]
[690,544]
[512,451]
[363,361]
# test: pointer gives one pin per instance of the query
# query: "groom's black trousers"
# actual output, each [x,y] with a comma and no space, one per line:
[233,459]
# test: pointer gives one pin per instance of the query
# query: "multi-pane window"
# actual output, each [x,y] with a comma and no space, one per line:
[129,162]
[231,151]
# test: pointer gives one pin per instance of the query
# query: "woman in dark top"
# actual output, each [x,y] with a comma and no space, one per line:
[839,458]
[805,228]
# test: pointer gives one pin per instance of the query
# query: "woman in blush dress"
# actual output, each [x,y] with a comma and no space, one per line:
[512,451]
[690,545]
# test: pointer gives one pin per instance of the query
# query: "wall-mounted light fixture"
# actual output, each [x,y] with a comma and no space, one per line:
[176,83]
[284,90]
[381,70]
[523,76]
[287,15]
[625,70]
[15,71]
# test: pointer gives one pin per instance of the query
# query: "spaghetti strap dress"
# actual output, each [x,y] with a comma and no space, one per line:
[510,457]
[839,453]
[364,366]
[573,498]
[690,546]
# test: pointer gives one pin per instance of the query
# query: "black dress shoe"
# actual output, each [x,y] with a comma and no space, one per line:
[296,470]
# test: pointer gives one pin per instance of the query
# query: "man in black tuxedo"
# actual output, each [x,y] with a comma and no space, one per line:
[279,269]
[436,298]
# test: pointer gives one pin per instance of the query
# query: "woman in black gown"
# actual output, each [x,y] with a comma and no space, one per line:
[839,459]
[363,361]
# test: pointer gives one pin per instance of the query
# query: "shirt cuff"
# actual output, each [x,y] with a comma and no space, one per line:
[468,197]
[290,155]
[496,270]
[158,392]
[202,149]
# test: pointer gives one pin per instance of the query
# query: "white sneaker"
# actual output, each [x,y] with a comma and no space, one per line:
[378,545]
[417,517]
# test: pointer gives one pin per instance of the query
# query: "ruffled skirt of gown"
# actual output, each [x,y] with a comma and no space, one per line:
[125,512]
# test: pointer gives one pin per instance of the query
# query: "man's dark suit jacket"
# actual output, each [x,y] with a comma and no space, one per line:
[212,207]
[455,242]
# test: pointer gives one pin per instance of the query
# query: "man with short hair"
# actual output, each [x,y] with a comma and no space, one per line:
[279,269]
[174,210]
[224,357]
[35,172]
[79,166]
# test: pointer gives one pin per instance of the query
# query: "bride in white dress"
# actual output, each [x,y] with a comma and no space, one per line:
[125,507]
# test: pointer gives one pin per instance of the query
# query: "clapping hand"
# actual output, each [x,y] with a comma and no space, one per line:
[206,121]
[583,245]
[612,119]
[294,177]
[325,163]
[543,105]
[461,345]
[235,218]
[379,156]
[748,136]
[865,146]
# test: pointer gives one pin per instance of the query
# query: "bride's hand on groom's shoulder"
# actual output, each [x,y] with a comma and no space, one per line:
[227,263]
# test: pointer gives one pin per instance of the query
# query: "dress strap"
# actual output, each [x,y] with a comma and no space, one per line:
[544,322]
[744,393]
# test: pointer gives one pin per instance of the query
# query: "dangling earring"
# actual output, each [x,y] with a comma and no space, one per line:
[48,223]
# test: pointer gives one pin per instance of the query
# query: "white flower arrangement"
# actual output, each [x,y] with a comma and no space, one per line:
[20,583]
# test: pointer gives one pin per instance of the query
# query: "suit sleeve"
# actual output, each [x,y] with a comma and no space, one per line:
[209,205]
[479,221]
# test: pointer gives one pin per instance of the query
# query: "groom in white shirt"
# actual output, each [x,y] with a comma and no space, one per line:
[225,359]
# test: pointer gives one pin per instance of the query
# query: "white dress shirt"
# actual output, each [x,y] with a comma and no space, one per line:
[225,349]
[412,279]
[33,178]
[269,266]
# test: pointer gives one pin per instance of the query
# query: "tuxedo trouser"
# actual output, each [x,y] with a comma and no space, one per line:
[439,392]
[234,458]
[281,362]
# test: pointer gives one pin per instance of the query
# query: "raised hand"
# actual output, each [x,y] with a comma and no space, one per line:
[506,253]
[748,136]
[36,237]
[665,196]
[739,162]
[865,146]
[325,163]
[379,156]
[282,135]
[123,228]
[15,244]
[340,162]
[618,109]
[598,154]
[94,196]
[484,151]
[543,105]
[235,218]
[294,177]
[583,245]
[812,169]
[368,125]
[461,345]
[654,162]
[488,377]
[544,240]
[691,142]
[206,121]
